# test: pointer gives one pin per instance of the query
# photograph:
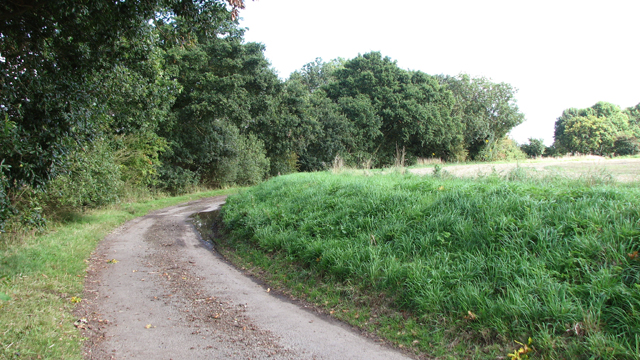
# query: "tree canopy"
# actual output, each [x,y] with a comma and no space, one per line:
[602,129]
[102,95]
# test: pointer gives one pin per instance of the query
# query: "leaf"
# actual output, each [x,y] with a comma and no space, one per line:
[75,299]
[148,326]
[80,323]
[113,261]
[4,297]
[471,316]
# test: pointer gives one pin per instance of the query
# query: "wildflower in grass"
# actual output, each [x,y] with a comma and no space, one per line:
[523,352]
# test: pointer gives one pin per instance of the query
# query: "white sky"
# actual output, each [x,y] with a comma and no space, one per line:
[559,54]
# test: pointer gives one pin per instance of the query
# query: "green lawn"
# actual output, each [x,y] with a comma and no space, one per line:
[452,267]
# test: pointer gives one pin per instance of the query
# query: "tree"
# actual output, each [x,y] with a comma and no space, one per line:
[589,135]
[392,108]
[487,110]
[592,130]
[535,148]
[633,113]
[55,54]
[75,72]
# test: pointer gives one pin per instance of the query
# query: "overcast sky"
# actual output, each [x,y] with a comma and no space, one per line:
[559,54]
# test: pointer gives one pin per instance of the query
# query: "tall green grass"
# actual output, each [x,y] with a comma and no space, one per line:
[496,259]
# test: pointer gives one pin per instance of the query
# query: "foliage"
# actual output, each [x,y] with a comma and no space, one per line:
[334,136]
[551,151]
[504,149]
[592,130]
[55,56]
[176,180]
[248,166]
[75,72]
[288,127]
[535,148]
[626,145]
[634,120]
[6,210]
[487,110]
[526,258]
[227,88]
[178,97]
[253,164]
[93,178]
[139,157]
[394,107]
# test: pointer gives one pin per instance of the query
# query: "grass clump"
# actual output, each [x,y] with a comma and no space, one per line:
[481,263]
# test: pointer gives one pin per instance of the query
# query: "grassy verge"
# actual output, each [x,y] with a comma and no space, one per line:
[455,268]
[42,276]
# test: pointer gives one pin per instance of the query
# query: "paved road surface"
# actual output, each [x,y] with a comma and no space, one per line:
[155,291]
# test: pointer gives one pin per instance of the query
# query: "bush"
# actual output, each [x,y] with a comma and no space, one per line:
[551,151]
[534,148]
[5,205]
[503,149]
[138,157]
[626,145]
[281,165]
[92,178]
[248,166]
[253,163]
[176,180]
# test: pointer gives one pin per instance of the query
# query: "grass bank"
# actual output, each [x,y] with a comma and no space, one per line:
[455,268]
[41,278]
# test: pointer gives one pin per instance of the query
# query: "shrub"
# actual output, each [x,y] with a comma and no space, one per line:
[551,151]
[281,165]
[138,157]
[92,178]
[6,210]
[626,145]
[503,149]
[253,163]
[176,180]
[534,148]
[247,166]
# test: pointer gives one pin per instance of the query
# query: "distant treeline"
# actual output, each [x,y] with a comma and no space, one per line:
[99,97]
[603,129]
[102,97]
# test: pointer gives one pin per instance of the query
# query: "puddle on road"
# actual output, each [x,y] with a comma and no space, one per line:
[206,223]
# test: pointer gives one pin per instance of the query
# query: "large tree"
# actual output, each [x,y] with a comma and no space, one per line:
[487,110]
[592,130]
[393,108]
[76,72]
[225,87]
[57,59]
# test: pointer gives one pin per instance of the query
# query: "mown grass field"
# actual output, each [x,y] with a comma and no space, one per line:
[455,268]
[42,278]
